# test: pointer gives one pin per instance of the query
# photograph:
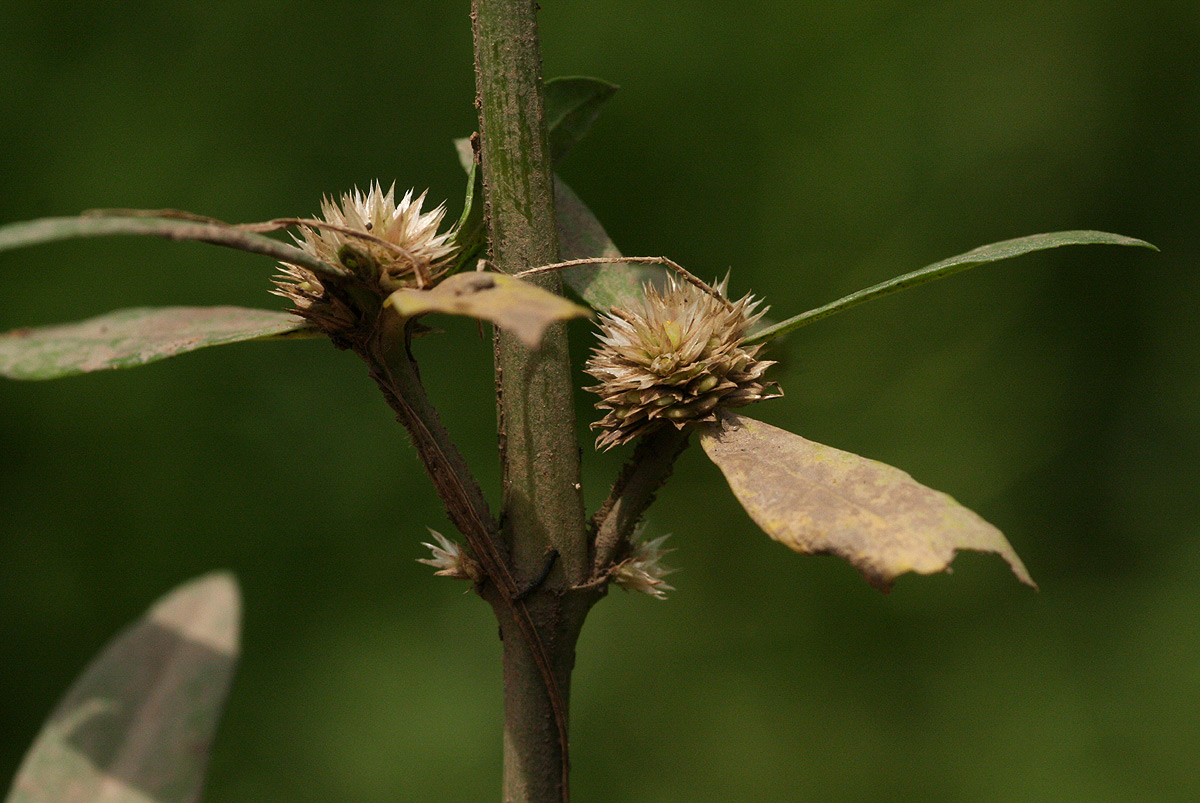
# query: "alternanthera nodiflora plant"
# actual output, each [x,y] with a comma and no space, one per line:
[674,359]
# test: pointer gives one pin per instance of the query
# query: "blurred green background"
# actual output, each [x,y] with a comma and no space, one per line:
[814,148]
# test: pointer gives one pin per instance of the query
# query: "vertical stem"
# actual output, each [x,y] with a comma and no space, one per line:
[542,504]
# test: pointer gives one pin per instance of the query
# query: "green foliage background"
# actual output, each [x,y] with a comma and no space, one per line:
[814,148]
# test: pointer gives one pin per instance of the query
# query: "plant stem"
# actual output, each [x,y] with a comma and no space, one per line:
[542,503]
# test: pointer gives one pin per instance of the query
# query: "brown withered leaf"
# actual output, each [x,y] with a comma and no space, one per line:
[515,306]
[819,500]
[137,725]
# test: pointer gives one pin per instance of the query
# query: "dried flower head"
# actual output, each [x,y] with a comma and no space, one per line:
[450,560]
[407,248]
[676,359]
[386,245]
[312,301]
[641,571]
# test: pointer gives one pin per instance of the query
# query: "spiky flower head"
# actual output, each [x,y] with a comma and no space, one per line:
[386,245]
[641,571]
[676,358]
[450,560]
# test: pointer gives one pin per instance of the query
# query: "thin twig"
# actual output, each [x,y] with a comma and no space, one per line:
[650,466]
[689,277]
[464,501]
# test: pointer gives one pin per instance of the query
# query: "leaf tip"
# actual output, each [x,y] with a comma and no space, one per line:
[207,610]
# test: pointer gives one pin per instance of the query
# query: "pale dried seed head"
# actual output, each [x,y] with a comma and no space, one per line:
[416,249]
[677,358]
[641,571]
[407,251]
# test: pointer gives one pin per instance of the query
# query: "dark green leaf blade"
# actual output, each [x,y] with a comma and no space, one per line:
[51,229]
[130,337]
[819,500]
[947,267]
[137,725]
[580,236]
[572,105]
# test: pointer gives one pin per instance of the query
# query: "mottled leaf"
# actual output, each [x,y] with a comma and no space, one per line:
[947,267]
[819,500]
[137,725]
[516,306]
[45,230]
[130,337]
[572,106]
[580,235]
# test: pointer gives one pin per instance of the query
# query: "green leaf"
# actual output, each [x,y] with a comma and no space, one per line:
[130,337]
[572,106]
[938,270]
[818,500]
[514,305]
[470,233]
[580,236]
[137,725]
[50,229]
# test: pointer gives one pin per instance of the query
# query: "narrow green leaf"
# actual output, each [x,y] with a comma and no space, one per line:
[580,236]
[517,306]
[818,500]
[938,270]
[572,106]
[50,229]
[470,233]
[137,725]
[130,337]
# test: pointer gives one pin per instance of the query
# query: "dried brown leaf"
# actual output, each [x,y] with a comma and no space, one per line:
[819,500]
[516,306]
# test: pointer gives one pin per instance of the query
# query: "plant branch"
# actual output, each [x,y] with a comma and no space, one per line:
[386,355]
[386,352]
[650,466]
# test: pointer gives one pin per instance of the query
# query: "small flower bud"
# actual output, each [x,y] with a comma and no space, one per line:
[450,560]
[641,571]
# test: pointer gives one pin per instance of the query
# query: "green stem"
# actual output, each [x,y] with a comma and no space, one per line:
[542,502]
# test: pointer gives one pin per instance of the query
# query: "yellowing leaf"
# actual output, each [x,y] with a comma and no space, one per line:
[820,500]
[516,306]
[137,725]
